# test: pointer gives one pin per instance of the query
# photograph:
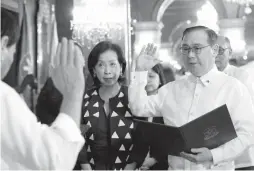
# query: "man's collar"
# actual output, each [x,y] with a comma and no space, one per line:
[227,69]
[207,78]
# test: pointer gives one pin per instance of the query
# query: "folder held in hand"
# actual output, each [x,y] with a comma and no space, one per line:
[210,130]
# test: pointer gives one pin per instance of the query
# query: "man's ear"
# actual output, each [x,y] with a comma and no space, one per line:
[215,49]
[4,42]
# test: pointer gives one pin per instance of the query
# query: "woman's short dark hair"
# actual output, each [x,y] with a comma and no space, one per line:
[97,51]
[9,26]
[159,70]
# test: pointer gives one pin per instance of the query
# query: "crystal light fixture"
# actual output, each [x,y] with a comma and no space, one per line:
[89,27]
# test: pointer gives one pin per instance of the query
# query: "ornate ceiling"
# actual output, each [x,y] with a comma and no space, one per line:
[177,12]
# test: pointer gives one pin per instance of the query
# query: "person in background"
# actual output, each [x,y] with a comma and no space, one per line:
[109,140]
[222,63]
[26,143]
[112,125]
[181,101]
[169,74]
[153,161]
[245,161]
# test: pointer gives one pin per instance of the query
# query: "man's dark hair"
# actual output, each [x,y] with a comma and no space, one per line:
[212,36]
[97,51]
[9,26]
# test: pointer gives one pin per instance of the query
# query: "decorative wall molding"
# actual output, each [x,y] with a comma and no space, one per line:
[12,5]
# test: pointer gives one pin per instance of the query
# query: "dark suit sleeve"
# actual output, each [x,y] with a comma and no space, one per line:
[82,157]
[153,150]
[48,103]
[140,148]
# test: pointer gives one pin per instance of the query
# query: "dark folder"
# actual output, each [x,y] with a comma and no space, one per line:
[210,130]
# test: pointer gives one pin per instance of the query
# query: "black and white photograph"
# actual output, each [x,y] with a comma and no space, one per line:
[127,85]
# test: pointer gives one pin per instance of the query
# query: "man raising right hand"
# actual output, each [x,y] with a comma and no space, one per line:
[26,143]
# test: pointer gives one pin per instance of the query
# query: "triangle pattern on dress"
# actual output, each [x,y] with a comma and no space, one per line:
[122,148]
[132,126]
[121,95]
[88,149]
[92,161]
[86,114]
[114,114]
[120,105]
[91,137]
[118,160]
[86,96]
[89,123]
[95,93]
[127,114]
[96,105]
[127,157]
[96,114]
[131,147]
[121,123]
[128,136]
[115,135]
[87,103]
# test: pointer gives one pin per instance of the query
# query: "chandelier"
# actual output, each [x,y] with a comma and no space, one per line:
[89,27]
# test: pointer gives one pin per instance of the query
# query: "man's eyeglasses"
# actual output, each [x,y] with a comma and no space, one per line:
[196,49]
[222,50]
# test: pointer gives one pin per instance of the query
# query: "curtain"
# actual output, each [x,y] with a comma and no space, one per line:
[47,39]
[27,53]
